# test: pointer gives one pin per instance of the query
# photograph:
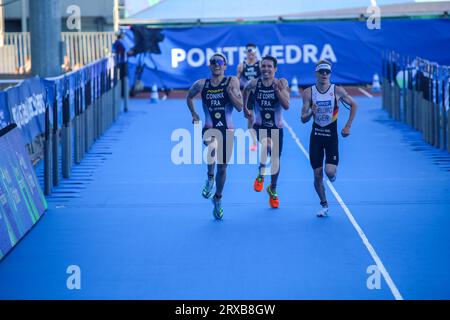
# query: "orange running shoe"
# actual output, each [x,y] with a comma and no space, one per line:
[258,185]
[273,198]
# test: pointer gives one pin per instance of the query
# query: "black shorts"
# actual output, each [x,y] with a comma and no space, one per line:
[323,142]
[225,143]
[264,132]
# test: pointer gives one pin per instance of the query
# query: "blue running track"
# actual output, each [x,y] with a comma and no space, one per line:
[138,228]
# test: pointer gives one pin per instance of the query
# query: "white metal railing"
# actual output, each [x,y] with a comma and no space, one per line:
[18,52]
[81,48]
[7,55]
[86,47]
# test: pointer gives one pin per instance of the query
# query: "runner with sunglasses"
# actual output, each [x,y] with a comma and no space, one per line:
[248,70]
[271,97]
[321,103]
[220,95]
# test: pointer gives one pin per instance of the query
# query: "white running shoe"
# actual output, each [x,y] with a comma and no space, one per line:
[322,213]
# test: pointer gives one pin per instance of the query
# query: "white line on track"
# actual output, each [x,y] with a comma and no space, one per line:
[365,92]
[355,224]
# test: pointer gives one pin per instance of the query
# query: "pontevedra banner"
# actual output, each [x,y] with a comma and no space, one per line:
[353,48]
[22,202]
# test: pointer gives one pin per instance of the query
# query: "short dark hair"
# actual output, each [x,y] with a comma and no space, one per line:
[219,54]
[270,58]
[252,45]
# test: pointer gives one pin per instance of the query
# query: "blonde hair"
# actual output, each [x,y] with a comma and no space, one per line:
[322,62]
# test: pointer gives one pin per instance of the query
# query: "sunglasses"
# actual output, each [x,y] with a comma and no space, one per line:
[251,50]
[217,62]
[324,72]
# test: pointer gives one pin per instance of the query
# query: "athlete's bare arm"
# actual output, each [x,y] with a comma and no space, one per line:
[281,87]
[193,91]
[250,86]
[307,109]
[234,92]
[240,68]
[343,95]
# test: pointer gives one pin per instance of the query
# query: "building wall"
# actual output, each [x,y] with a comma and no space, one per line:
[96,15]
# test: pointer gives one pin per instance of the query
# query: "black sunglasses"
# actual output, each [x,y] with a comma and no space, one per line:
[324,71]
[217,62]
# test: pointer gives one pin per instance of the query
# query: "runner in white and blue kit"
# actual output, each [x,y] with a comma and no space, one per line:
[321,103]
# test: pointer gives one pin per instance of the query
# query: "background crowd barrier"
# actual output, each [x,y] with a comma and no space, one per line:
[22,202]
[416,91]
[60,118]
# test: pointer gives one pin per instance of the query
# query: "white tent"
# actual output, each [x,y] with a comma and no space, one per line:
[192,11]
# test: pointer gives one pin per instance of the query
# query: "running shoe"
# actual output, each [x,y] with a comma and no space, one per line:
[218,210]
[322,213]
[273,198]
[207,191]
[258,185]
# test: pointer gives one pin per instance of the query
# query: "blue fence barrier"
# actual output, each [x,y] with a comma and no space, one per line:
[68,112]
[416,91]
[22,202]
[24,105]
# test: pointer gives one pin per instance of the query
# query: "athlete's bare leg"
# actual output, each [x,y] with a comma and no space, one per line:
[220,178]
[211,157]
[330,170]
[250,128]
[318,184]
[265,153]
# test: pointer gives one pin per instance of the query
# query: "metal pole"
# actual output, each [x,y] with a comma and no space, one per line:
[126,93]
[416,100]
[437,131]
[2,24]
[47,154]
[87,111]
[116,15]
[447,80]
[431,106]
[66,138]
[76,131]
[45,33]
[427,107]
[24,15]
[422,103]
[83,117]
[443,114]
[55,140]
